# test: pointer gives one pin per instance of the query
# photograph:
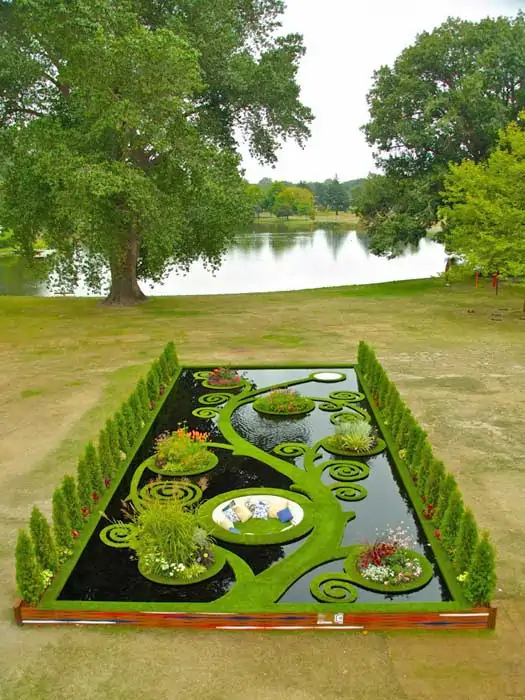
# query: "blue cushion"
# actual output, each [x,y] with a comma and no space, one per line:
[234,529]
[285,515]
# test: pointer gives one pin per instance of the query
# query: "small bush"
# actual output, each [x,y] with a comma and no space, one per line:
[61,523]
[28,571]
[466,541]
[481,579]
[45,549]
[284,401]
[451,522]
[69,491]
[354,436]
[447,487]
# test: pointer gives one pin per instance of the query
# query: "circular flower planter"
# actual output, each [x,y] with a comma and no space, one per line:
[219,561]
[225,387]
[327,444]
[258,405]
[165,470]
[353,572]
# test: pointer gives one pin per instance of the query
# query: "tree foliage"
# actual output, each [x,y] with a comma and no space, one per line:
[294,201]
[118,124]
[28,572]
[481,581]
[45,549]
[61,522]
[69,490]
[484,211]
[444,100]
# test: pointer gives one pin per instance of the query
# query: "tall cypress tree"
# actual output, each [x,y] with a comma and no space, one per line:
[45,549]
[424,467]
[171,357]
[433,483]
[114,440]
[105,455]
[142,391]
[129,423]
[122,429]
[28,571]
[451,522]
[84,484]
[164,369]
[95,471]
[446,489]
[466,541]
[136,407]
[69,490]
[152,382]
[61,523]
[481,581]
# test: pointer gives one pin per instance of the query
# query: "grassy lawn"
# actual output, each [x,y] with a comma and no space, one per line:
[69,363]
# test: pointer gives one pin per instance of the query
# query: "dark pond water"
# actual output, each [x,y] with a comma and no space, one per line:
[106,573]
[265,261]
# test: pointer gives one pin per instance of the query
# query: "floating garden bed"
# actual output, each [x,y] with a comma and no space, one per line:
[209,513]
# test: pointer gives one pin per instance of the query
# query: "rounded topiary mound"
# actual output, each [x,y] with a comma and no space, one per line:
[283,402]
[331,444]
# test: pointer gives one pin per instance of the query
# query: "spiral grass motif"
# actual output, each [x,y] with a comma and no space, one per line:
[205,412]
[333,588]
[350,492]
[215,399]
[202,374]
[118,535]
[343,470]
[346,396]
[168,490]
[291,449]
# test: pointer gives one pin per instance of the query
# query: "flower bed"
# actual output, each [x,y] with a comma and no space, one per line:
[284,402]
[182,453]
[223,378]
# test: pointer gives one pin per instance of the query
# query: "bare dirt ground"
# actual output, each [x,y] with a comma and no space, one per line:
[69,363]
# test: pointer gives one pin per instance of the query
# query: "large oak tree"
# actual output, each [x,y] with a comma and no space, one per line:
[444,100]
[120,122]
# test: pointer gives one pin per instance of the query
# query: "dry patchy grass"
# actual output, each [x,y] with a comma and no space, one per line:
[68,364]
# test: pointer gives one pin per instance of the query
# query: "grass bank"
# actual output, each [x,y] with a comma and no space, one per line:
[68,363]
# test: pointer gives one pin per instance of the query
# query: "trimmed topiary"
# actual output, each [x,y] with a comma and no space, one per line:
[144,402]
[403,428]
[466,541]
[61,523]
[451,522]
[447,487]
[114,440]
[85,487]
[481,580]
[153,385]
[414,438]
[387,409]
[69,490]
[95,471]
[43,542]
[433,483]
[129,423]
[28,571]
[136,411]
[105,455]
[423,469]
[171,357]
[122,429]
[164,369]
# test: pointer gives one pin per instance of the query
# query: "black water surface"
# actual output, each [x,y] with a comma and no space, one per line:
[110,574]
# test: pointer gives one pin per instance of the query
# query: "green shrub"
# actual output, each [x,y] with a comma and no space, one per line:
[354,435]
[164,369]
[122,429]
[134,417]
[481,580]
[387,408]
[129,423]
[69,490]
[446,489]
[106,455]
[28,571]
[436,476]
[183,449]
[136,407]
[61,523]
[403,428]
[142,392]
[451,522]
[95,471]
[153,385]
[114,441]
[171,357]
[45,549]
[415,437]
[466,541]
[283,401]
[423,470]
[85,486]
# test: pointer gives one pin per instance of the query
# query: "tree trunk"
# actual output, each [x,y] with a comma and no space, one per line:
[125,290]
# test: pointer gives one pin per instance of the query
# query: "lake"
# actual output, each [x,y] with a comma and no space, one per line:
[264,261]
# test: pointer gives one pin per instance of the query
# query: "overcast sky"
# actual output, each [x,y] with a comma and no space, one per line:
[345,42]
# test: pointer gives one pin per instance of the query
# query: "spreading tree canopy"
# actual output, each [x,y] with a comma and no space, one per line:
[119,126]
[444,100]
[484,207]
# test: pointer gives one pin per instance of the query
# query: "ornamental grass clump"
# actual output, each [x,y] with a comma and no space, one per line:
[355,435]
[170,542]
[284,401]
[182,450]
[389,560]
[223,376]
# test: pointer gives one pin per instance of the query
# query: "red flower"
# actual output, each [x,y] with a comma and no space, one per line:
[74,533]
[107,482]
[95,496]
[437,534]
[424,499]
[85,511]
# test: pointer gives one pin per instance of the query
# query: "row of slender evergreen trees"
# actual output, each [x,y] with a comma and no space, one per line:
[470,551]
[42,550]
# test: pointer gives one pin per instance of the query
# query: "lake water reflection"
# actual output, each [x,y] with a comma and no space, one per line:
[264,261]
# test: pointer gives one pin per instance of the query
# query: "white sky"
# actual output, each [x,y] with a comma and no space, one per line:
[345,42]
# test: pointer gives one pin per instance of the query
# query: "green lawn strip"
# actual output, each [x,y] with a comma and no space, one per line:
[260,526]
[428,528]
[67,567]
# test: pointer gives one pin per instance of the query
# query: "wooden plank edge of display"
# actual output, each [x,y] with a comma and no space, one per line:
[475,619]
